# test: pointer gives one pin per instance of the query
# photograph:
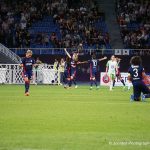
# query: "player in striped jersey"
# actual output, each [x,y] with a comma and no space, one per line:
[67,67]
[73,67]
[27,63]
[93,69]
[136,76]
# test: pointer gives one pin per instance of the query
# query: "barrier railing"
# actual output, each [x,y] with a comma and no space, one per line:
[10,54]
[60,51]
[43,74]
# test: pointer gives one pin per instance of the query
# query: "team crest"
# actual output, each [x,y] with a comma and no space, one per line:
[105,78]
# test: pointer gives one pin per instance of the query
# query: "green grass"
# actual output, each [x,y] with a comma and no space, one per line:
[53,118]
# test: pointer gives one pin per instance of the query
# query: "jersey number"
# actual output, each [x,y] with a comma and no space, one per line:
[94,63]
[112,66]
[135,73]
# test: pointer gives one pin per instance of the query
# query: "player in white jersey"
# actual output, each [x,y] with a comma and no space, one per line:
[112,70]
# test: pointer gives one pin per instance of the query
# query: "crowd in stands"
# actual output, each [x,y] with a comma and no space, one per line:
[15,19]
[76,23]
[134,19]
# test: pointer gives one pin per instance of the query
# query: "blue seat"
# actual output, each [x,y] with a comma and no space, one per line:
[47,26]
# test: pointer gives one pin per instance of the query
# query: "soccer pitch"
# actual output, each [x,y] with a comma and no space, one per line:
[53,118]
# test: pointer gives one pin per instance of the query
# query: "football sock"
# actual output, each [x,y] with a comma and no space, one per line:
[111,85]
[114,83]
[74,81]
[70,83]
[122,82]
[65,81]
[91,83]
[25,87]
[27,84]
[95,82]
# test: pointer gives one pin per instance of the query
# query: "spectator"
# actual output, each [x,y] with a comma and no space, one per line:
[16,18]
[133,17]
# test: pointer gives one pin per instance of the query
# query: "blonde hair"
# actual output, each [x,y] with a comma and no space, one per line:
[29,51]
[75,57]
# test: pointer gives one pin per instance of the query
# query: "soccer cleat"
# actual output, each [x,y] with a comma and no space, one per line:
[65,86]
[131,98]
[143,98]
[76,87]
[97,87]
[27,94]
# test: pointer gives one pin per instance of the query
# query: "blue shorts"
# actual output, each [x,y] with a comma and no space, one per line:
[93,73]
[28,74]
[73,72]
[138,88]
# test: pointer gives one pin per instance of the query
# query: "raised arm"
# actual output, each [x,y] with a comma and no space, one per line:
[84,62]
[67,53]
[102,58]
[107,65]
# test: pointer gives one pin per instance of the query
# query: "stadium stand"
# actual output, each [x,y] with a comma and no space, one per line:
[52,24]
[134,20]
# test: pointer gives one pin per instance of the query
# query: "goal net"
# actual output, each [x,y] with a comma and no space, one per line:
[43,74]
